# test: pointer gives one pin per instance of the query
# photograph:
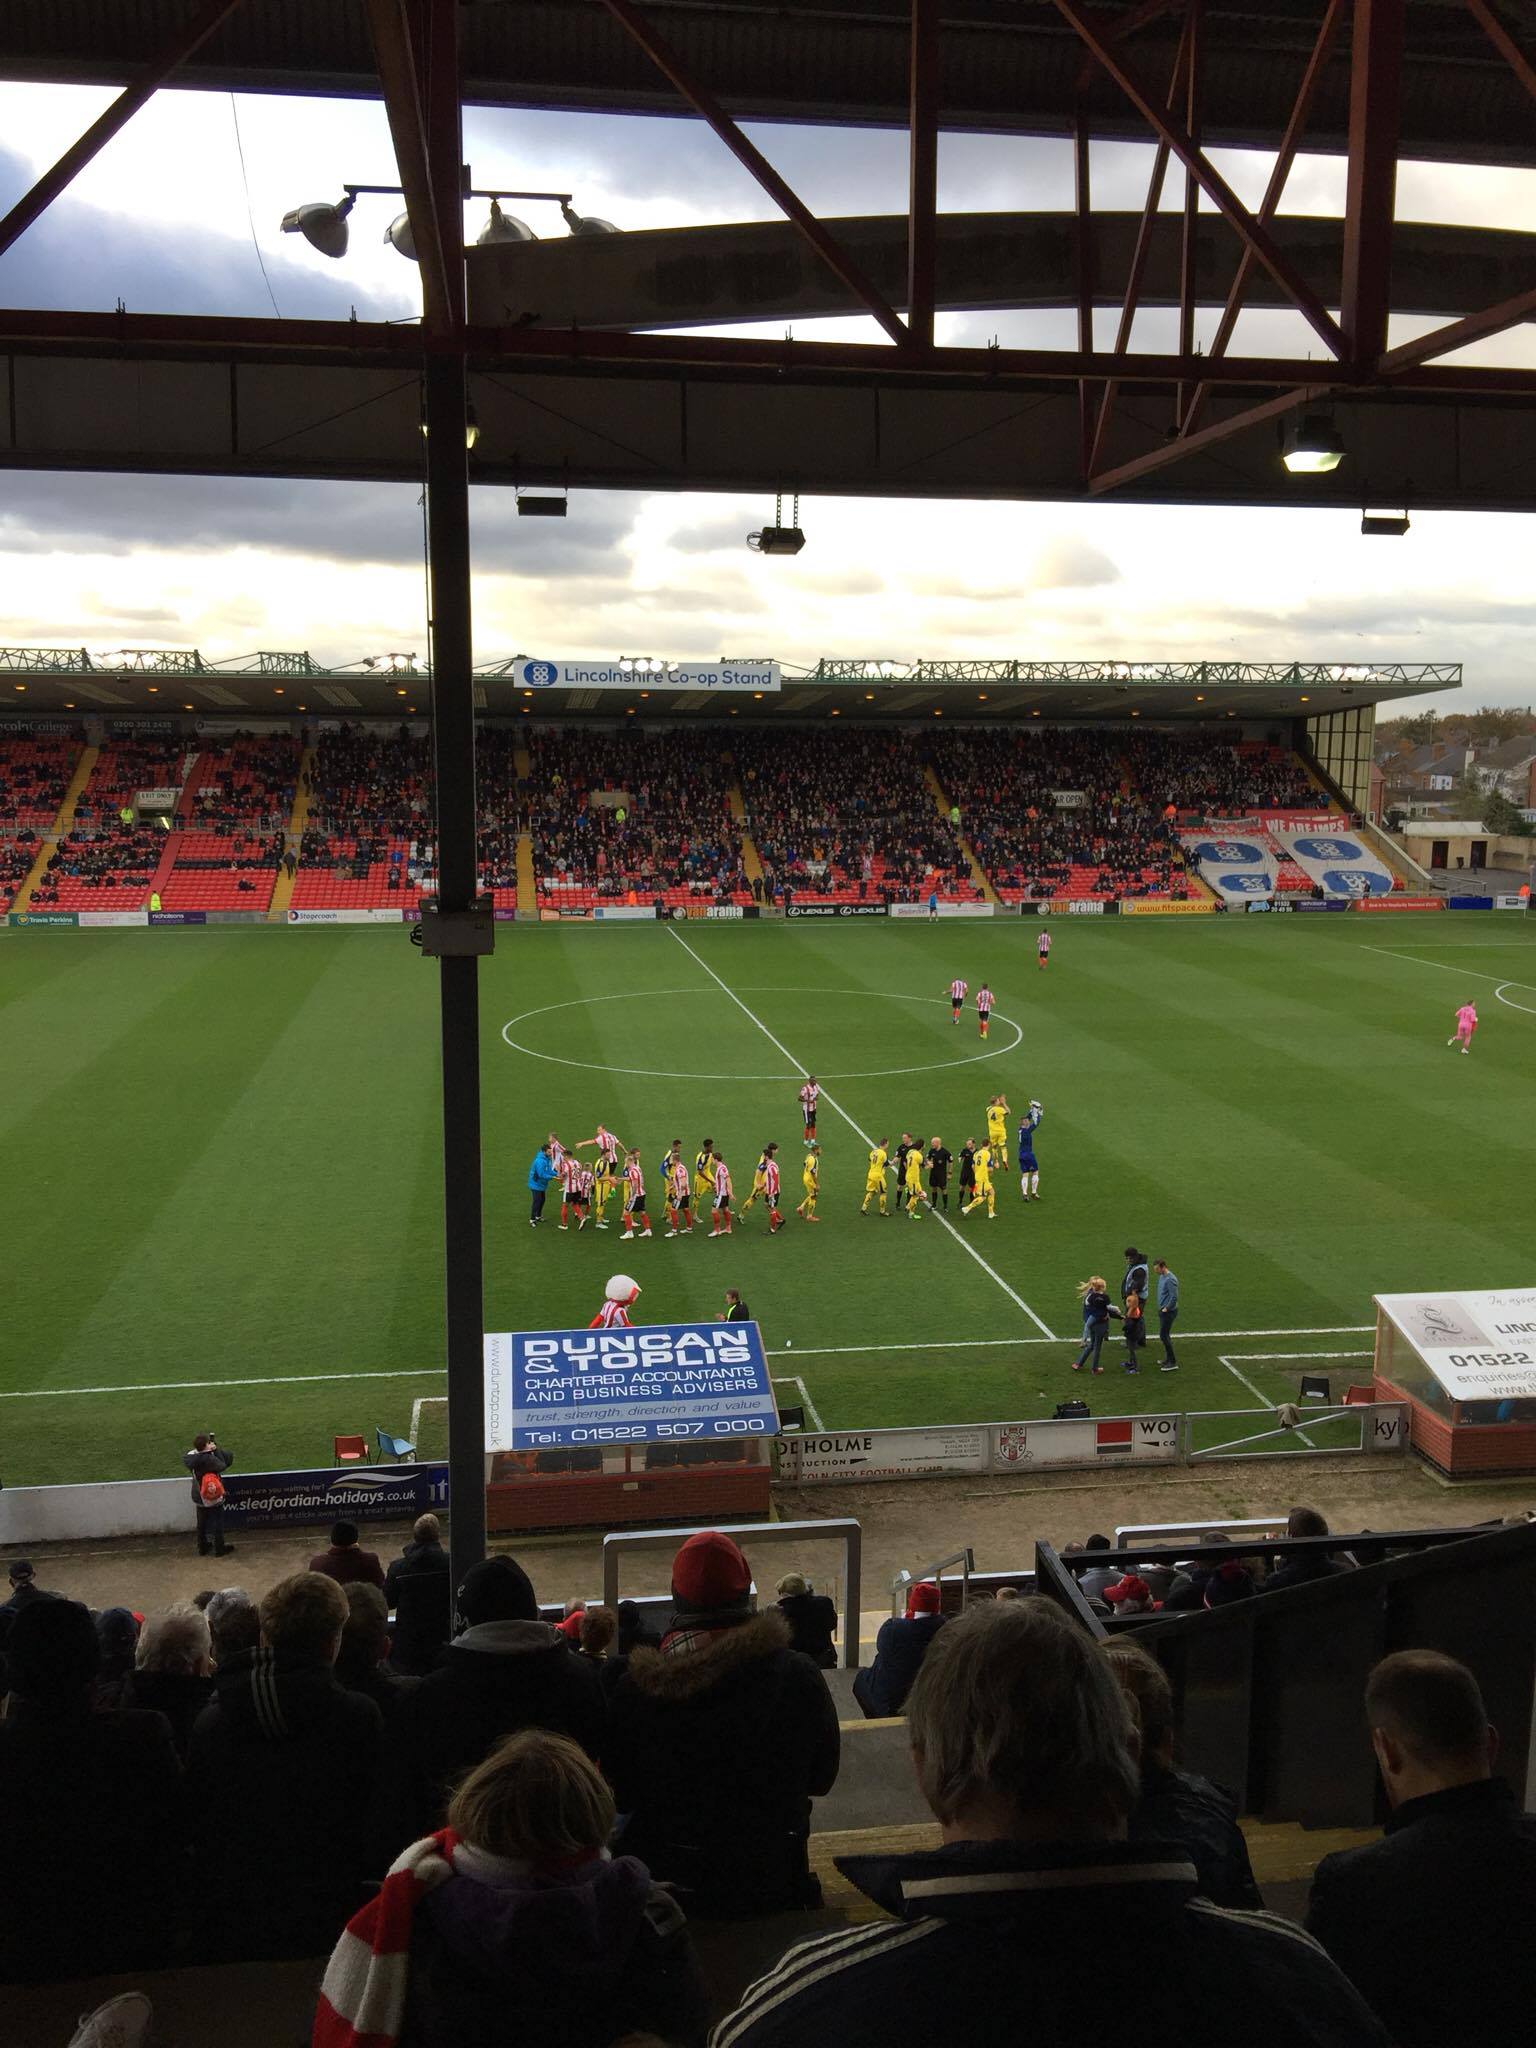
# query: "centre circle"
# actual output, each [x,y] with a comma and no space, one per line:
[992,1052]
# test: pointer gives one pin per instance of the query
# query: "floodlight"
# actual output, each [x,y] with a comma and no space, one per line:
[1312,446]
[322,225]
[585,224]
[1386,523]
[503,227]
[398,235]
[777,540]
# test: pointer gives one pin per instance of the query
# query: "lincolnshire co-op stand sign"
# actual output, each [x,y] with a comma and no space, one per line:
[656,1383]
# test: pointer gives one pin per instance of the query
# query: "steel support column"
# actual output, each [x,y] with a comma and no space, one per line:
[923,167]
[1375,96]
[1082,263]
[445,399]
[117,116]
[1192,24]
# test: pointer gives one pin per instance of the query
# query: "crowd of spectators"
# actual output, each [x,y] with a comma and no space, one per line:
[34,774]
[1214,778]
[528,1824]
[847,811]
[643,811]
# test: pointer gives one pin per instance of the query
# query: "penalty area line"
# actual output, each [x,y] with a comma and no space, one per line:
[1043,1327]
[793,1379]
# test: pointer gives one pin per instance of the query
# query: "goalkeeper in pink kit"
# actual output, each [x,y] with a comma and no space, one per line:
[1466,1024]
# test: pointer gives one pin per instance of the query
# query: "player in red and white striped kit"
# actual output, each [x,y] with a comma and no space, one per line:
[721,1226]
[608,1149]
[983,1008]
[809,1095]
[679,1193]
[771,1188]
[957,990]
[634,1199]
[575,1190]
[1043,947]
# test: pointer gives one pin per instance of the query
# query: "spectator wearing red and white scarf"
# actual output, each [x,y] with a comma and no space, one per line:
[515,1921]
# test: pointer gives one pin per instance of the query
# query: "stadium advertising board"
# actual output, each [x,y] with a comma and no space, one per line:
[1083,1442]
[728,677]
[624,913]
[944,909]
[1397,903]
[276,1500]
[192,916]
[108,918]
[855,1456]
[1068,906]
[68,917]
[1480,1347]
[656,1383]
[1174,906]
[376,916]
[1509,902]
[793,909]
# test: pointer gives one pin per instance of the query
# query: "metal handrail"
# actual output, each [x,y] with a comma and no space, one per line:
[844,1530]
[966,1559]
[1129,1534]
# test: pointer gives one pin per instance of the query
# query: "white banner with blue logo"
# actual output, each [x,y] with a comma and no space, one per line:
[728,678]
[656,1383]
[1238,866]
[1338,863]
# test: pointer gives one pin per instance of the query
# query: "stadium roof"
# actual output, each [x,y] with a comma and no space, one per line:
[1011,66]
[163,682]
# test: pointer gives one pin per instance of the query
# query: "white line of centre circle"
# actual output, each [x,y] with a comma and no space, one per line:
[676,1074]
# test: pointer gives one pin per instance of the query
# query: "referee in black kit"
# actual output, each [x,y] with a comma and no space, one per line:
[938,1173]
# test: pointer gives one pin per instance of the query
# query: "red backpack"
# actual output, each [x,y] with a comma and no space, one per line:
[210,1490]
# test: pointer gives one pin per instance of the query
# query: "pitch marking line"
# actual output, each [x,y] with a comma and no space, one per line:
[1043,1327]
[793,1379]
[1466,973]
[1304,1357]
[415,1372]
[1509,1001]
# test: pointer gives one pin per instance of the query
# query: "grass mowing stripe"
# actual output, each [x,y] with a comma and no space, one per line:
[1467,973]
[832,1104]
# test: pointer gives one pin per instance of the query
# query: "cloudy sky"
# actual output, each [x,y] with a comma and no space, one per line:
[166,220]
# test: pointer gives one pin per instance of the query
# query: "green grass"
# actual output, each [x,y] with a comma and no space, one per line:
[224,1159]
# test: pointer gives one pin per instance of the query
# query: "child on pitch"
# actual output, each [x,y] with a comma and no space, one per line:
[810,1180]
[912,1183]
[759,1180]
[984,1008]
[1466,1024]
[875,1177]
[619,1297]
[679,1196]
[578,1194]
[1029,1165]
[771,1188]
[984,1190]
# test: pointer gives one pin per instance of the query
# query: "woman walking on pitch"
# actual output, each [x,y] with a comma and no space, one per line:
[1097,1311]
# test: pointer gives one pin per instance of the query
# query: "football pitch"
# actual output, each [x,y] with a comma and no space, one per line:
[223,1160]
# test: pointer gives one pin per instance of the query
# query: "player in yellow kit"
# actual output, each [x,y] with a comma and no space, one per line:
[704,1174]
[997,1131]
[912,1183]
[985,1192]
[810,1180]
[874,1179]
[759,1182]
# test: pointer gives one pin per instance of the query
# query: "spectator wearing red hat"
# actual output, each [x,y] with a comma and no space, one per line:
[1130,1595]
[717,1743]
[881,1688]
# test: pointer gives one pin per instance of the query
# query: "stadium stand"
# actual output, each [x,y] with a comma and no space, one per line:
[106,862]
[368,840]
[642,814]
[847,816]
[232,817]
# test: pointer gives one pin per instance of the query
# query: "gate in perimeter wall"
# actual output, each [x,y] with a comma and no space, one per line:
[845,1457]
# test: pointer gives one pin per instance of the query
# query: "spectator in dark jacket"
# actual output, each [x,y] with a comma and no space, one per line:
[812,1619]
[1305,1568]
[530,1931]
[360,1662]
[1024,1752]
[205,1459]
[506,1670]
[234,1625]
[881,1688]
[1432,1923]
[173,1671]
[117,1636]
[345,1562]
[718,1742]
[93,1878]
[284,1766]
[1179,1806]
[424,1553]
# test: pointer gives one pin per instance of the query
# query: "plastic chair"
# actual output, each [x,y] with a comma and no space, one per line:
[1359,1397]
[1315,1388]
[396,1447]
[349,1450]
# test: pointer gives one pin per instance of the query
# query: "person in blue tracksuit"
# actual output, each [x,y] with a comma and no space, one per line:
[540,1174]
[1167,1311]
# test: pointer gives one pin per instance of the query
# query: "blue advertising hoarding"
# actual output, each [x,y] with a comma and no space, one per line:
[655,1383]
[369,1493]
